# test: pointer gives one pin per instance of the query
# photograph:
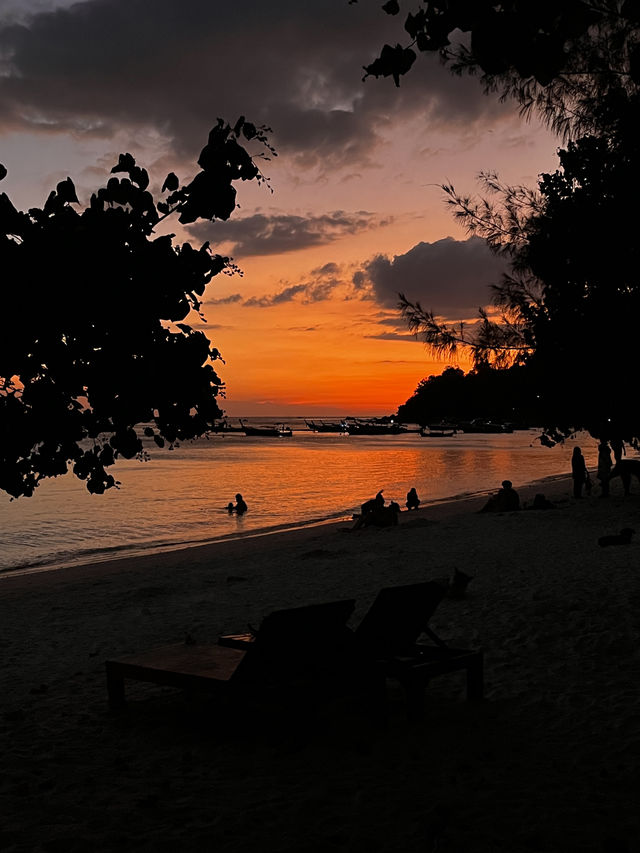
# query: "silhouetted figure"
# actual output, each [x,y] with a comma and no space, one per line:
[622,538]
[374,503]
[540,502]
[579,473]
[604,467]
[230,507]
[240,506]
[378,516]
[413,501]
[617,445]
[506,500]
[625,469]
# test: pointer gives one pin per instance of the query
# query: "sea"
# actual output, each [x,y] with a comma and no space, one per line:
[178,498]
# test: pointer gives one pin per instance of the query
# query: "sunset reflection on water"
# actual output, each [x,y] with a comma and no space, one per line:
[180,496]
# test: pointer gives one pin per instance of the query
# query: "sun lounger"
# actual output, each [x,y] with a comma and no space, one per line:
[390,633]
[313,645]
[298,644]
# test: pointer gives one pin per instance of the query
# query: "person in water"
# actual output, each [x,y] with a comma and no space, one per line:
[413,501]
[240,506]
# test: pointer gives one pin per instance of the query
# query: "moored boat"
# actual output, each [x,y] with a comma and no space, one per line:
[483,426]
[362,427]
[438,430]
[225,426]
[278,431]
[326,426]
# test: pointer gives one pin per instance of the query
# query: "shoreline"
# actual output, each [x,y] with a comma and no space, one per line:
[135,552]
[547,762]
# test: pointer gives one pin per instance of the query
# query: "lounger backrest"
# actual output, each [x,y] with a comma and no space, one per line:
[299,641]
[397,617]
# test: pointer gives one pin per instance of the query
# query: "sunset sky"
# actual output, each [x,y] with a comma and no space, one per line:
[356,213]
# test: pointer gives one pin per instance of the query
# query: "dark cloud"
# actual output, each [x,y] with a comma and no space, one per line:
[101,66]
[449,277]
[286,295]
[273,234]
[225,300]
[393,336]
[322,284]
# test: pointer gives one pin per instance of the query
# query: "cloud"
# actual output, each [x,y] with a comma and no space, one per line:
[274,234]
[100,66]
[449,277]
[286,295]
[393,336]
[225,300]
[323,283]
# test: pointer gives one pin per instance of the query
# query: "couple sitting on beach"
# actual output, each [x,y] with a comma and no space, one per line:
[375,513]
[506,500]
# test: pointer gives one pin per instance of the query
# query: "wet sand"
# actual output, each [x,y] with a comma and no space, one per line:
[548,762]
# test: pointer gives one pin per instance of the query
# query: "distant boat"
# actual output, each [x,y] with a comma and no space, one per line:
[278,431]
[225,426]
[361,427]
[480,425]
[438,430]
[326,426]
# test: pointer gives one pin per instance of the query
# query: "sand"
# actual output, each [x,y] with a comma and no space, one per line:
[547,763]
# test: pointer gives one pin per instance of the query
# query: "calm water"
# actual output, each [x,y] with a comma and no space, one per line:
[180,496]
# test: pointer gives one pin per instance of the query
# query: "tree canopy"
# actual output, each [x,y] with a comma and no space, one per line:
[94,351]
[569,310]
[572,61]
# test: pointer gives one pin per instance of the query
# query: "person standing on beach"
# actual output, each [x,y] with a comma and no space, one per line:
[617,445]
[579,473]
[604,467]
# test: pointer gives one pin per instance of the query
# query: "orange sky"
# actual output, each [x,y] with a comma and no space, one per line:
[356,213]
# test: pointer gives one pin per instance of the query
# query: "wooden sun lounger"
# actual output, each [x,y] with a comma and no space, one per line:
[313,644]
[304,642]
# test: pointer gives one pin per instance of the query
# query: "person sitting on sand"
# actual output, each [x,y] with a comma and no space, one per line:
[240,506]
[413,501]
[540,502]
[374,503]
[506,500]
[378,516]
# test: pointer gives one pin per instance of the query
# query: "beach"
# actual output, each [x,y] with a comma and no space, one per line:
[547,763]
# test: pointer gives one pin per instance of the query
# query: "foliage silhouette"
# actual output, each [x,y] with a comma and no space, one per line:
[571,306]
[96,353]
[565,59]
[568,312]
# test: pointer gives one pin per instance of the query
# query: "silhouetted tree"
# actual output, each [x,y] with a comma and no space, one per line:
[569,60]
[93,342]
[568,311]
[485,392]
[571,307]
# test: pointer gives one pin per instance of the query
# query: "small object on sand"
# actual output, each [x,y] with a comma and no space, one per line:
[622,538]
[458,584]
[540,502]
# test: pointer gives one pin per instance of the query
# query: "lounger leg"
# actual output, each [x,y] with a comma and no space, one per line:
[115,687]
[475,678]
